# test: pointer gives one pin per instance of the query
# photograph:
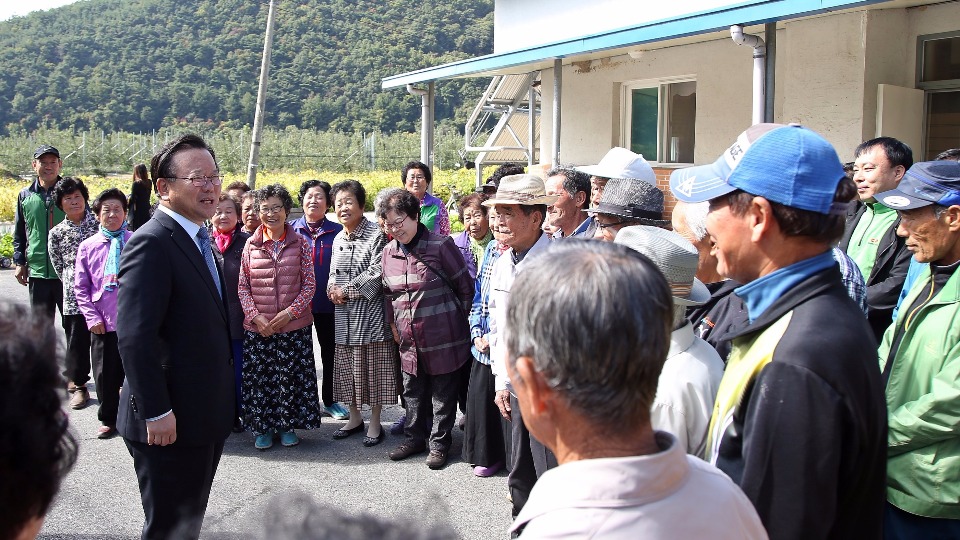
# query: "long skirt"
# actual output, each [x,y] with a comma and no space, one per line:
[366,374]
[280,382]
[483,433]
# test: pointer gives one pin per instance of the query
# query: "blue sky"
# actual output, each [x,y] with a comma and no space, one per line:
[9,8]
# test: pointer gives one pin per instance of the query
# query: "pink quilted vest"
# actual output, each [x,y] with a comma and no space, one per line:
[275,284]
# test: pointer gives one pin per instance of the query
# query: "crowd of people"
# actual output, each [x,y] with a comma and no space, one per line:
[777,357]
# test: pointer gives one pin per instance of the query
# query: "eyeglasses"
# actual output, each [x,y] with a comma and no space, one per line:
[271,209]
[416,177]
[200,181]
[395,225]
[615,223]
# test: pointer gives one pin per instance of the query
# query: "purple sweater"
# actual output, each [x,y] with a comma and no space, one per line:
[96,304]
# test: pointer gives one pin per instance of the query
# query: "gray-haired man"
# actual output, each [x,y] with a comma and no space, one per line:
[521,204]
[585,352]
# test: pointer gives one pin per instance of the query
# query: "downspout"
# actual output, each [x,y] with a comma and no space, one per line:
[557,91]
[426,133]
[759,68]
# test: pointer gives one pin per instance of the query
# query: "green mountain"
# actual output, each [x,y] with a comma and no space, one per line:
[137,65]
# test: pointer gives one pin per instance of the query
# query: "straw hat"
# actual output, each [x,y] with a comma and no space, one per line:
[621,163]
[525,189]
[674,255]
[632,199]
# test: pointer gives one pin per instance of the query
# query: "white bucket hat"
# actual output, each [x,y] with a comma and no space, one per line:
[674,255]
[621,163]
[524,189]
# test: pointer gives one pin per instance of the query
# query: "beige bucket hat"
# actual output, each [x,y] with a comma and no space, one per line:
[525,189]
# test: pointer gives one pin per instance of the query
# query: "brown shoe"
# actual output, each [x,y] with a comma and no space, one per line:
[407,449]
[437,459]
[79,397]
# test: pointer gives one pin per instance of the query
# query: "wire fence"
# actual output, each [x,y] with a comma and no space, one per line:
[103,154]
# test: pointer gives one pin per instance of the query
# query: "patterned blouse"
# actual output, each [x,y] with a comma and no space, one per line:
[356,267]
[62,244]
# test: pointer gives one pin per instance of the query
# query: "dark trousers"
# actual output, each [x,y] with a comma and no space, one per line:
[431,400]
[529,458]
[237,345]
[175,484]
[326,337]
[77,356]
[107,375]
[898,524]
[483,433]
[46,296]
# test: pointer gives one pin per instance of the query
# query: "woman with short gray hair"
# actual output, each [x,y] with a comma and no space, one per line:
[430,292]
[365,361]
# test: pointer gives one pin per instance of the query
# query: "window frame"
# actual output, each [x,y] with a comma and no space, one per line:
[934,85]
[931,87]
[626,117]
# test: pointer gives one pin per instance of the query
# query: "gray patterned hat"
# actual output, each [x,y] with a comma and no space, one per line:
[632,199]
[674,255]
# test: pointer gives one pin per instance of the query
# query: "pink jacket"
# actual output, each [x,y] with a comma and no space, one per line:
[270,284]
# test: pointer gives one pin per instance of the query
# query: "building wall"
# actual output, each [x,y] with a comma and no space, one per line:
[513,19]
[590,109]
[827,72]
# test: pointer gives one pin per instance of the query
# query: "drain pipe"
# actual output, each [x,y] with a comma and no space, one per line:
[759,68]
[426,133]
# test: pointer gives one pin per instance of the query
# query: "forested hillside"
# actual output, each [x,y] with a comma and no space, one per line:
[137,65]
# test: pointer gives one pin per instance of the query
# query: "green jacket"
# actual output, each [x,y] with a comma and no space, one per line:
[36,214]
[923,400]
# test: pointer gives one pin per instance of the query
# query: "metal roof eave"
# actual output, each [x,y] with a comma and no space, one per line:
[747,13]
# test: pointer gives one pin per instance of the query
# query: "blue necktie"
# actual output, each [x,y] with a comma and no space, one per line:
[204,237]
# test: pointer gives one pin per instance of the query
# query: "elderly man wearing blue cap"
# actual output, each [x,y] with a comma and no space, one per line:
[799,421]
[920,360]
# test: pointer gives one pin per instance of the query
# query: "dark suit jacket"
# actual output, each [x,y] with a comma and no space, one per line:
[174,338]
[230,264]
[889,271]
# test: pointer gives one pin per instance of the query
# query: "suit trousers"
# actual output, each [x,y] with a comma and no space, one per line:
[107,375]
[77,356]
[175,485]
[431,399]
[326,338]
[529,458]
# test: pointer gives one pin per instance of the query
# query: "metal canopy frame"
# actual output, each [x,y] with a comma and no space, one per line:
[511,104]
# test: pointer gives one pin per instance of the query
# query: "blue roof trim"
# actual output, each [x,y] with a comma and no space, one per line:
[747,13]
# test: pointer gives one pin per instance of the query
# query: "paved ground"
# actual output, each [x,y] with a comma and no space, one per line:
[99,498]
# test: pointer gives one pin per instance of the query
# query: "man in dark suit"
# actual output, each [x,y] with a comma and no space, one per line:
[177,402]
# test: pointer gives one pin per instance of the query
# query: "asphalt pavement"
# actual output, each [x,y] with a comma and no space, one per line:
[99,499]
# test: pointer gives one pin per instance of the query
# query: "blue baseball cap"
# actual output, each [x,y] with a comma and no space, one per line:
[925,183]
[787,164]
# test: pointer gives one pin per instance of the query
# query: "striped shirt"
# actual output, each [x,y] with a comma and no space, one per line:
[356,267]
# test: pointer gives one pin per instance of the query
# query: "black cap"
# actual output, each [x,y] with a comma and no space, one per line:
[45,149]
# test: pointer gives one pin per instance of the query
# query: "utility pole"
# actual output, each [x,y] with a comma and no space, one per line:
[261,101]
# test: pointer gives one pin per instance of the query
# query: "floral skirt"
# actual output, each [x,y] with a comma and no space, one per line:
[280,382]
[366,374]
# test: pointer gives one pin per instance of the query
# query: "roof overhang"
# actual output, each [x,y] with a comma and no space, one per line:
[749,13]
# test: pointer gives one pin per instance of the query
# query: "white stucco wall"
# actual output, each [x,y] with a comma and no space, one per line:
[828,69]
[564,19]
[590,111]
